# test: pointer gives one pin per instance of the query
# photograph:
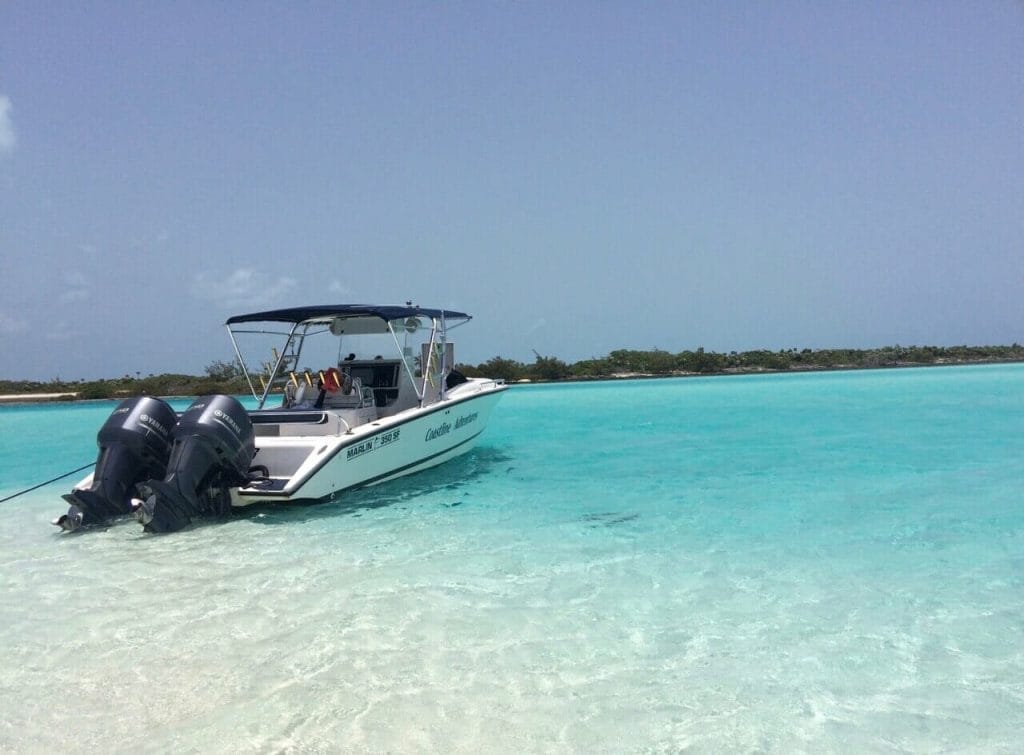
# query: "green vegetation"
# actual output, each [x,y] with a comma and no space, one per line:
[225,377]
[220,377]
[624,362]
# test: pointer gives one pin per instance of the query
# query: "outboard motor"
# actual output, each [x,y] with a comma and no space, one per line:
[213,445]
[135,444]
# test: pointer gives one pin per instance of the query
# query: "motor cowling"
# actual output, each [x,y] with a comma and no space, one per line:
[214,443]
[134,446]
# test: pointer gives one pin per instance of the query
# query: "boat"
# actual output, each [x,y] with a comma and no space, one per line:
[332,413]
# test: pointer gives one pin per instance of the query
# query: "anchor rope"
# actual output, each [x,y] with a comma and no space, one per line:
[36,487]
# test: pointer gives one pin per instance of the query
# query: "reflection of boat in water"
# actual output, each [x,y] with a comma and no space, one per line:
[362,419]
[449,485]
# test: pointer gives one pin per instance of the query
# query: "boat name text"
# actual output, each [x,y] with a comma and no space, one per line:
[370,444]
[461,421]
[446,427]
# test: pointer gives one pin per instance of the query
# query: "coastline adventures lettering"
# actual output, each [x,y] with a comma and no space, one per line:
[446,427]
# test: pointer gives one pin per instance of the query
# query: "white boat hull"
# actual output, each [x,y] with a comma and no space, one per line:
[402,444]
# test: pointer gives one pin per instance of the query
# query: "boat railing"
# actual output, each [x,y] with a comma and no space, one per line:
[478,385]
[343,421]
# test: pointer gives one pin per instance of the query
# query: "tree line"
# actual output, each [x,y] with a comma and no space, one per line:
[226,377]
[625,362]
[151,385]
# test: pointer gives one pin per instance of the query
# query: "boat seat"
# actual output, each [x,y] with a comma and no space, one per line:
[340,400]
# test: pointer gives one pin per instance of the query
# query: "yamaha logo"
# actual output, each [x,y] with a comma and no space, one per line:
[145,419]
[227,420]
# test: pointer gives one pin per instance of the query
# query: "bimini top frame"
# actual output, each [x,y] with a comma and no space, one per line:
[341,319]
[324,313]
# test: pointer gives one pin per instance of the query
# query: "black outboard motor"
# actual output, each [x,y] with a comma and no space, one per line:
[213,445]
[135,444]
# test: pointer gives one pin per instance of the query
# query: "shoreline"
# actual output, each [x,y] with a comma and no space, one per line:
[72,396]
[37,398]
[739,371]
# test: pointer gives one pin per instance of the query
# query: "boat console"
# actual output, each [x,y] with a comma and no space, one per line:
[381,376]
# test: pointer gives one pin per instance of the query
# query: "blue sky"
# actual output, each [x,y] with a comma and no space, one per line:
[580,177]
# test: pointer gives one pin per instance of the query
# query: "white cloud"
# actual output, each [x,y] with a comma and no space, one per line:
[337,287]
[73,295]
[7,136]
[10,326]
[76,288]
[62,331]
[244,287]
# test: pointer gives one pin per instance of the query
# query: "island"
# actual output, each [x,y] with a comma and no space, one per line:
[225,377]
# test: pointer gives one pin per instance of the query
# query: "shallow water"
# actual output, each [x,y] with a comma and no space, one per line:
[828,562]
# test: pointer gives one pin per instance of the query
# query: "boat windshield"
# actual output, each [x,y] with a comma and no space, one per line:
[274,356]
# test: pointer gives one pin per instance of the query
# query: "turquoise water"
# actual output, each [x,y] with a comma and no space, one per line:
[818,563]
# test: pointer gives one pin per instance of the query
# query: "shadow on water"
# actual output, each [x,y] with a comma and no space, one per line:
[451,477]
[608,519]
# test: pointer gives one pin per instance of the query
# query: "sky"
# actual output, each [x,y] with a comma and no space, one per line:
[579,176]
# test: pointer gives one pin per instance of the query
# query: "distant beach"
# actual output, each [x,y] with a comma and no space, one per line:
[34,398]
[512,372]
